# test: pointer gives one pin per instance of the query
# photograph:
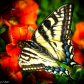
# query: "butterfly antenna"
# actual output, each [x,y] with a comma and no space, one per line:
[26,33]
[15,39]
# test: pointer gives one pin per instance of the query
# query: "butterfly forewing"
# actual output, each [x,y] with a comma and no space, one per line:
[54,31]
[49,43]
[57,25]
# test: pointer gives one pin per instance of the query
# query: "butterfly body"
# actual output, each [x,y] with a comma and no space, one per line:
[50,42]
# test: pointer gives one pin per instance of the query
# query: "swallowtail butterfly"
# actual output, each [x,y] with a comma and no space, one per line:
[50,42]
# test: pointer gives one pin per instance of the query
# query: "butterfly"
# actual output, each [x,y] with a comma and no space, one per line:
[50,43]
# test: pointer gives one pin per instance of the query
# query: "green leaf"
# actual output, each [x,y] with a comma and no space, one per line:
[1,24]
[82,73]
[63,65]
[40,19]
[77,76]
[2,46]
[56,3]
[44,4]
[73,70]
[44,82]
[57,76]
[31,29]
[39,81]
[2,30]
[1,51]
[59,82]
[64,79]
[26,74]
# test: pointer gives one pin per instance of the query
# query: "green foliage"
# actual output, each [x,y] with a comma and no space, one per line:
[2,46]
[2,29]
[73,70]
[44,4]
[78,76]
[26,74]
[44,82]
[63,65]
[2,43]
[39,81]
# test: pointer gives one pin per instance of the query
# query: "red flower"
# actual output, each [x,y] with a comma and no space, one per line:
[16,77]
[26,11]
[44,76]
[9,65]
[30,79]
[18,19]
[12,50]
[77,53]
[21,32]
[78,36]
[21,22]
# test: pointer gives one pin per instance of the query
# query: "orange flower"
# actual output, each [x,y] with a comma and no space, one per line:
[18,19]
[26,11]
[12,50]
[16,77]
[21,32]
[78,57]
[9,66]
[11,60]
[21,22]
[24,7]
[78,36]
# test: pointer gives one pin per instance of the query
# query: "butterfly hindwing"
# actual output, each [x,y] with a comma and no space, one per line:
[31,59]
[49,43]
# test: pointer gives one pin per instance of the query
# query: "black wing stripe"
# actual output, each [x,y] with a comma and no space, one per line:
[27,51]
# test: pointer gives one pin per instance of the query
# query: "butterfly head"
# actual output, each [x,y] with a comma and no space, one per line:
[24,41]
[29,43]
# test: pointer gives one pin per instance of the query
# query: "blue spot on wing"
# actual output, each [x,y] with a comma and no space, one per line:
[66,47]
[62,69]
[56,69]
[68,54]
[52,68]
[67,61]
[65,42]
[47,68]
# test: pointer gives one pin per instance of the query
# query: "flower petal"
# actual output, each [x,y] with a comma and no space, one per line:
[78,57]
[77,53]
[4,61]
[14,64]
[17,77]
[78,36]
[13,50]
[28,18]
[25,7]
[44,76]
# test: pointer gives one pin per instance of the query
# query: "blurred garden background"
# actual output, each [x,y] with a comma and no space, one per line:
[15,16]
